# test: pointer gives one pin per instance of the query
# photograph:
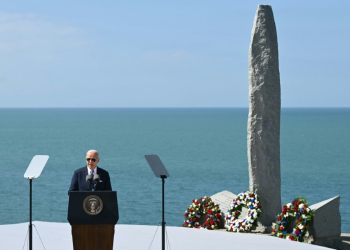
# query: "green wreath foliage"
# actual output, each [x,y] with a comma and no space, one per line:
[199,207]
[298,211]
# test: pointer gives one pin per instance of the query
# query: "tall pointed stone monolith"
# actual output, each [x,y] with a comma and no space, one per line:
[264,116]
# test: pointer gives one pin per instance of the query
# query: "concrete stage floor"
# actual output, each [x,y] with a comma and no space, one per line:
[137,237]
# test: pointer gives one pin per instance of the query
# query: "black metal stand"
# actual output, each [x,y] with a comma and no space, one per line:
[30,216]
[159,171]
[163,222]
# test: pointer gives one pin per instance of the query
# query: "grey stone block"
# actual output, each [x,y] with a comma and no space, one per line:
[224,200]
[264,116]
[325,227]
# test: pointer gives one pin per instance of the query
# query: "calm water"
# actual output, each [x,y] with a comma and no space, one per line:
[204,150]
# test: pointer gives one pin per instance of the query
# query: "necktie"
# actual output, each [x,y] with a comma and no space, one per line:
[92,179]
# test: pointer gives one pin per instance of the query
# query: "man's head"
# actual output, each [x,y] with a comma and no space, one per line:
[92,158]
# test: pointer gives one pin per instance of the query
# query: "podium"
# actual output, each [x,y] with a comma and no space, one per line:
[93,216]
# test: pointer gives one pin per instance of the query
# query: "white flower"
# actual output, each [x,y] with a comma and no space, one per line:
[301,205]
[289,204]
[301,226]
[307,209]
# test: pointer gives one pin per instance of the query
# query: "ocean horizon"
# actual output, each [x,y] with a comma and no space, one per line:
[203,149]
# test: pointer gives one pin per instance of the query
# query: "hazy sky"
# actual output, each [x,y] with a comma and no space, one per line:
[183,53]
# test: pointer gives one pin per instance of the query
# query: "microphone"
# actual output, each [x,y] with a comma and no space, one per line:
[96,179]
[88,179]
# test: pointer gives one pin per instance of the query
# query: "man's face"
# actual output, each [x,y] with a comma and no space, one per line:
[90,157]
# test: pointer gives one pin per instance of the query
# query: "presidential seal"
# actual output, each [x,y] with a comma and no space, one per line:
[92,205]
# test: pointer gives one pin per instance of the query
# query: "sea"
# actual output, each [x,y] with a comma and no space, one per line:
[203,149]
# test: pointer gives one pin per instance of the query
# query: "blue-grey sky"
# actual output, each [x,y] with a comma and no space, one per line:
[159,53]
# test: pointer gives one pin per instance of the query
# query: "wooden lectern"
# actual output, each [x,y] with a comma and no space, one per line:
[93,216]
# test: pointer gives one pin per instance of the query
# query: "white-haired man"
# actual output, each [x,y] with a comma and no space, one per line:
[79,182]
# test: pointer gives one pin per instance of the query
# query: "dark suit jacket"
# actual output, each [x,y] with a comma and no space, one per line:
[79,180]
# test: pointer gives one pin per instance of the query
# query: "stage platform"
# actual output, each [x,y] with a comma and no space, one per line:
[57,236]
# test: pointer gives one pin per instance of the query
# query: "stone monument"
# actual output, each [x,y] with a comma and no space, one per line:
[264,116]
[325,228]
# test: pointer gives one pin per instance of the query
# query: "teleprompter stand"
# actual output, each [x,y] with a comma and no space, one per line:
[159,171]
[93,215]
[33,171]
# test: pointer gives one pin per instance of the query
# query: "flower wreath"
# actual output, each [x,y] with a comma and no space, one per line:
[298,211]
[249,200]
[199,207]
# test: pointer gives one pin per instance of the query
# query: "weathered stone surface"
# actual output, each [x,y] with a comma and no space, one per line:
[264,115]
[325,228]
[224,200]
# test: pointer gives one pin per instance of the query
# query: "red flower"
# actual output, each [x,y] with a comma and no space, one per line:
[191,210]
[212,222]
[299,220]
[274,230]
[297,231]
[209,211]
[279,218]
[258,205]
[196,219]
[281,227]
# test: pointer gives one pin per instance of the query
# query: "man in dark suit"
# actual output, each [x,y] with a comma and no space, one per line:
[79,182]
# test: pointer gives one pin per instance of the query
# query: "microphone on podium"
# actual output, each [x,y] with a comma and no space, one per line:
[96,179]
[88,179]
